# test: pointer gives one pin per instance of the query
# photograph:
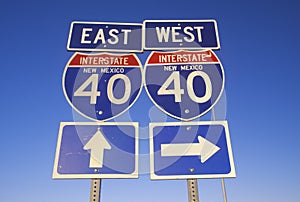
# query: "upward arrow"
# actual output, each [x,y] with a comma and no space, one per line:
[203,148]
[97,144]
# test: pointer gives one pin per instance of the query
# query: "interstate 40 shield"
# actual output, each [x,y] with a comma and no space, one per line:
[184,84]
[102,86]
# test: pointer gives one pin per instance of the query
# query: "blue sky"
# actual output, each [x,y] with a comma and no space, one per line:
[259,42]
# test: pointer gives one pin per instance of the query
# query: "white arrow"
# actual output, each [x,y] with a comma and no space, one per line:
[204,148]
[97,144]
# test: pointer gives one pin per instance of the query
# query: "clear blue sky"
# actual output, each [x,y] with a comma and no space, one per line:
[259,52]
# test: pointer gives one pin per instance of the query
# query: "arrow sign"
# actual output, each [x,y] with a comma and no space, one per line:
[97,144]
[204,148]
[190,150]
[90,150]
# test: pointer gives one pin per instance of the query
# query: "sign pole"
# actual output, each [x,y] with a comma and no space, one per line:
[193,195]
[222,179]
[95,190]
[224,190]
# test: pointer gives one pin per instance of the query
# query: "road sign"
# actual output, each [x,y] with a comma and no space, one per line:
[180,34]
[102,86]
[97,150]
[105,36]
[184,84]
[188,150]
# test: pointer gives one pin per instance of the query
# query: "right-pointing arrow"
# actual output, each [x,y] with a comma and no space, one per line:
[204,148]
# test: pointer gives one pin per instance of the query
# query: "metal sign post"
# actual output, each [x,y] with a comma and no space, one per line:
[224,190]
[193,195]
[95,190]
[222,179]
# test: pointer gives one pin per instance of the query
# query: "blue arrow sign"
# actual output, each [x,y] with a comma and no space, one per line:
[185,150]
[181,34]
[97,150]
[184,84]
[102,86]
[105,36]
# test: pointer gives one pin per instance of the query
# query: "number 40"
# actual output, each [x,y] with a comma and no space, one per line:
[177,91]
[93,93]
